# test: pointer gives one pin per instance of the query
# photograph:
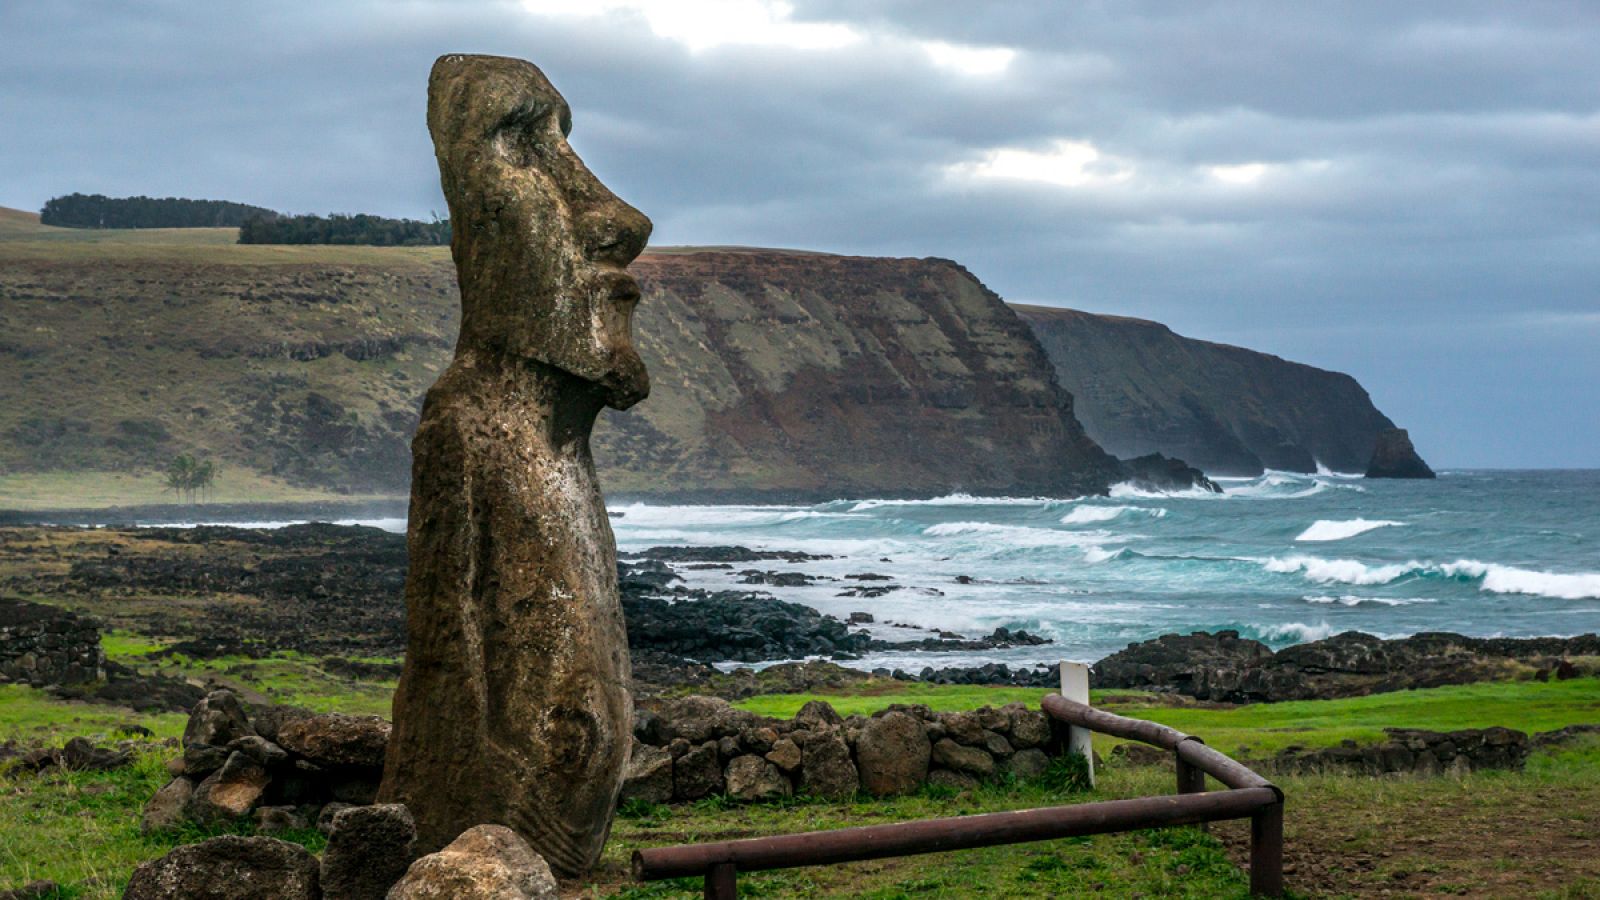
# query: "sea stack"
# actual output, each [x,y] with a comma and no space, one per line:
[1394,457]
[513,707]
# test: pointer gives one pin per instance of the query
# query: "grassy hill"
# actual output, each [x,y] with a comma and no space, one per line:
[300,369]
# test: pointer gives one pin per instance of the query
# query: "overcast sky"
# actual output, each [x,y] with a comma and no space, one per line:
[1408,192]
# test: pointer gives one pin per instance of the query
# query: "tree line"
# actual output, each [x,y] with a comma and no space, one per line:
[344,229]
[100,211]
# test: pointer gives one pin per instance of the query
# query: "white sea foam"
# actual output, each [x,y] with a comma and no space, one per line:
[1491,577]
[1299,632]
[1336,530]
[1343,571]
[1088,515]
[647,515]
[1003,537]
[959,499]
[1500,579]
[1127,490]
[1353,600]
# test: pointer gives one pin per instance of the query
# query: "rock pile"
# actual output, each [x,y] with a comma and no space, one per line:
[1226,667]
[696,747]
[279,767]
[44,645]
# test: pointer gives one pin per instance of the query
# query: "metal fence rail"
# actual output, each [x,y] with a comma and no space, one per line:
[1248,796]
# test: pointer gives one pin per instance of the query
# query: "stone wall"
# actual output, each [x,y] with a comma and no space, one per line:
[697,747]
[42,645]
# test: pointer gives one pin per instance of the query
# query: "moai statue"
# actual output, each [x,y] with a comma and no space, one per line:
[513,707]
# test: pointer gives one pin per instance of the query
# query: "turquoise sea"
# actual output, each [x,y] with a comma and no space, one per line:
[1283,558]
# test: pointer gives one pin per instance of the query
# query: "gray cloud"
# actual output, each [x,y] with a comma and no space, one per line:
[1424,216]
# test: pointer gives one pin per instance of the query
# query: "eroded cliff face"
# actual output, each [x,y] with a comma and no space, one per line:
[806,375]
[1140,388]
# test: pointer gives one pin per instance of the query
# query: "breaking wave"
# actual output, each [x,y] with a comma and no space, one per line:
[1353,600]
[1490,577]
[1088,515]
[1335,530]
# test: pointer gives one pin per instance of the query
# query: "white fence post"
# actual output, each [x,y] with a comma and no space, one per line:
[1075,687]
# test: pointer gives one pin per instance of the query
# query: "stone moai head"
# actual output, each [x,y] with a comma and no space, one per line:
[541,246]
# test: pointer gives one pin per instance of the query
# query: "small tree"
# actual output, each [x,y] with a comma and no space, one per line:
[188,477]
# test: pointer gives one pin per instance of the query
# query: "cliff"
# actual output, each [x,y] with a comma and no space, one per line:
[775,374]
[811,375]
[1140,388]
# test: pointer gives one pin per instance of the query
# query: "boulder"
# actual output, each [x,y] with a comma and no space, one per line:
[1026,764]
[229,793]
[488,862]
[892,754]
[825,767]
[33,890]
[217,720]
[327,814]
[751,778]
[698,719]
[785,754]
[648,777]
[259,749]
[971,760]
[816,712]
[959,781]
[200,760]
[228,868]
[697,773]
[1029,727]
[333,739]
[168,808]
[369,849]
[271,819]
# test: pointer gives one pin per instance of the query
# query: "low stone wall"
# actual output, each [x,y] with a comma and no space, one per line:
[1411,751]
[697,747]
[43,645]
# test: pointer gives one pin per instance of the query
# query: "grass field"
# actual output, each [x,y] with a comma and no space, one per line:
[98,490]
[1534,833]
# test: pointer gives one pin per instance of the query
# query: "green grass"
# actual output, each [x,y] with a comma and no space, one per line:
[1265,728]
[32,717]
[81,829]
[96,490]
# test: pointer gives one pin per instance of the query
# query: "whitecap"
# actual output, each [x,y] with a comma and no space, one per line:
[1353,600]
[1500,579]
[1338,530]
[1088,515]
[1345,571]
[959,499]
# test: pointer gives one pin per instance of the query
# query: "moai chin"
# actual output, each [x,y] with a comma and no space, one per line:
[513,707]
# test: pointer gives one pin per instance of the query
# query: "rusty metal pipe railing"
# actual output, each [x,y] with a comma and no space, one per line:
[1249,795]
[940,835]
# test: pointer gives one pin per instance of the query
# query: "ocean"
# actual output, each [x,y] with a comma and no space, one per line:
[1283,558]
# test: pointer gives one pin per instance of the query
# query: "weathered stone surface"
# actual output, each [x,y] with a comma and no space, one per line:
[45,645]
[328,814]
[649,775]
[959,781]
[1416,751]
[489,862]
[168,807]
[228,868]
[892,754]
[261,750]
[216,720]
[1029,763]
[513,706]
[826,769]
[971,760]
[1029,727]
[818,711]
[1393,456]
[785,754]
[369,849]
[750,778]
[229,793]
[333,739]
[270,819]
[697,773]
